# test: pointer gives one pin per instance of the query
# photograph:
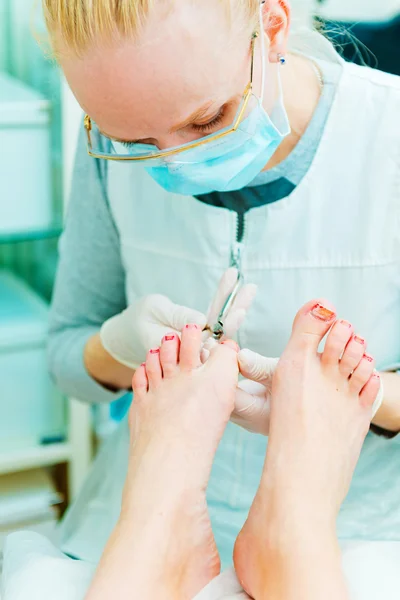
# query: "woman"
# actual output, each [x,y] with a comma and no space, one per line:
[302,198]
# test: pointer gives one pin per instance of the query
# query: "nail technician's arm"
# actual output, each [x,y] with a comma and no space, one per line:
[103,368]
[90,288]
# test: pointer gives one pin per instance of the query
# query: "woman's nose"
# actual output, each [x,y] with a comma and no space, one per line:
[174,139]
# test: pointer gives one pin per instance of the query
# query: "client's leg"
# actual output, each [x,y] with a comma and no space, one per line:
[163,546]
[320,415]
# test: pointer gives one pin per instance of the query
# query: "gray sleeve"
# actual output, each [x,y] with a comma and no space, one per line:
[90,282]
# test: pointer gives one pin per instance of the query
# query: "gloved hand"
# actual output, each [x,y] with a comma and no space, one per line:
[129,335]
[253,396]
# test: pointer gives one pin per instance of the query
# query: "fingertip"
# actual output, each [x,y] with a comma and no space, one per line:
[234,321]
[247,361]
[255,366]
[204,355]
[252,289]
[210,343]
[244,356]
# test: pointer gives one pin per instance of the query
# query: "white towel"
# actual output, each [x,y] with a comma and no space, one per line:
[35,570]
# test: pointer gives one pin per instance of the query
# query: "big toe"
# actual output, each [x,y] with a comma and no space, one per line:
[311,324]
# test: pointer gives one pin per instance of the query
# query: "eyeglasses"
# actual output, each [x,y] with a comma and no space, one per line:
[100,146]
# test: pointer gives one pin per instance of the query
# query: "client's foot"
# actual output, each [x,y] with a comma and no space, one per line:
[320,415]
[178,417]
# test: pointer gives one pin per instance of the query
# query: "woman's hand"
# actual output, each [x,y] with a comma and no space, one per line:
[128,336]
[253,395]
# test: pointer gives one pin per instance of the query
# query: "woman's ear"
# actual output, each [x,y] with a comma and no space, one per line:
[276,18]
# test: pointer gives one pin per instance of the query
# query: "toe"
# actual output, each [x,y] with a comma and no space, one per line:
[140,382]
[311,324]
[169,354]
[189,356]
[352,355]
[336,342]
[362,374]
[223,360]
[153,368]
[231,344]
[370,391]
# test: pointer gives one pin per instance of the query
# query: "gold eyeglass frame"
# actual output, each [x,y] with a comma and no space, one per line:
[166,153]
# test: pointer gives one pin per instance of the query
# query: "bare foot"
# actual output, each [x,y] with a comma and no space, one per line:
[320,414]
[177,420]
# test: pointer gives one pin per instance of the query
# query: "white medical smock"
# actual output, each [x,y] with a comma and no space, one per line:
[337,235]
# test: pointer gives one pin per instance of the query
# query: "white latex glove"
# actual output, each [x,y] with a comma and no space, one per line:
[129,335]
[253,397]
[253,394]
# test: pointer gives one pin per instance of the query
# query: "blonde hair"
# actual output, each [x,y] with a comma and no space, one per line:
[81,23]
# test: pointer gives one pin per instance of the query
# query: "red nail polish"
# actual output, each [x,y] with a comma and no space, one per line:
[169,338]
[346,323]
[143,365]
[321,313]
[368,358]
[359,340]
[191,326]
[155,351]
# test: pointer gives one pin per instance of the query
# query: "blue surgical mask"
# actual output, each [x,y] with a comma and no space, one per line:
[227,164]
[232,162]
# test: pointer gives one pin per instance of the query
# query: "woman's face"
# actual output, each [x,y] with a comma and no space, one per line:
[182,80]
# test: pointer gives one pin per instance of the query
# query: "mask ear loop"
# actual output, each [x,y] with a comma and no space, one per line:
[262,51]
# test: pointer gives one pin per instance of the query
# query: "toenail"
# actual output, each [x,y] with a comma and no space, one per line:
[346,324]
[359,340]
[169,338]
[143,365]
[192,326]
[376,375]
[321,313]
[155,351]
[368,358]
